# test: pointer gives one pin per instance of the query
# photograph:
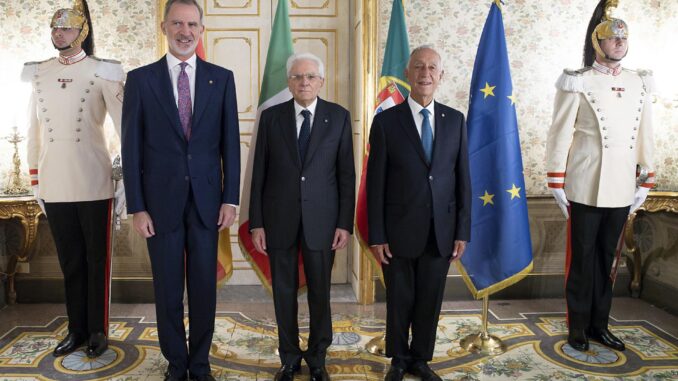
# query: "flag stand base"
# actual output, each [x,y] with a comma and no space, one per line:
[483,342]
[377,346]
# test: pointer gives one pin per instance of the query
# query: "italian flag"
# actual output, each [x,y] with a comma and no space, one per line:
[273,91]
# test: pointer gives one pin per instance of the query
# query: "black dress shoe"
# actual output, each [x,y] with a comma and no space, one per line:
[421,370]
[577,340]
[319,374]
[395,374]
[204,377]
[605,337]
[286,372]
[70,343]
[97,344]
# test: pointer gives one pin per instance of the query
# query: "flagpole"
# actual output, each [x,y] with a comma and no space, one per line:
[483,342]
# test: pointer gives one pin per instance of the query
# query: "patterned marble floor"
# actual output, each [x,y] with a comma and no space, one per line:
[244,349]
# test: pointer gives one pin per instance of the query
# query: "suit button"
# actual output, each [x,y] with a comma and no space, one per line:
[605,137]
[78,129]
[80,110]
[82,99]
[42,100]
[189,156]
[87,90]
[602,118]
[186,178]
[430,178]
[606,146]
[604,128]
[303,178]
[630,147]
[46,120]
[49,129]
[51,140]
[79,119]
[44,110]
[77,140]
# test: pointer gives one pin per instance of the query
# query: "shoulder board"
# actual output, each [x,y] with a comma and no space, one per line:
[110,70]
[572,80]
[32,68]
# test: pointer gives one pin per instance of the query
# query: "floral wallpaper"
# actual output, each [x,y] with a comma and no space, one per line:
[543,37]
[124,30]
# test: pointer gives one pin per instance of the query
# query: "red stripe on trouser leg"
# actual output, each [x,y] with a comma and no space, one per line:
[107,275]
[568,258]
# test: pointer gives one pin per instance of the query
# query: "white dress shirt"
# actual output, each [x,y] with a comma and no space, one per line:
[174,70]
[418,118]
[300,118]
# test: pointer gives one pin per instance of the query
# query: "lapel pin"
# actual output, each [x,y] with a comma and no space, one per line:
[211,81]
[443,115]
[326,120]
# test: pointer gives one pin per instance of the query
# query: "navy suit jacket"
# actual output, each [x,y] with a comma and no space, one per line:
[318,194]
[404,192]
[159,165]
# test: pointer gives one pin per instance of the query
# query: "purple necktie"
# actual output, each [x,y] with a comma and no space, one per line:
[184,104]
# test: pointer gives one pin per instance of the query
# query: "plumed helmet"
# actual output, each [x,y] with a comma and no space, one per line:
[77,18]
[603,26]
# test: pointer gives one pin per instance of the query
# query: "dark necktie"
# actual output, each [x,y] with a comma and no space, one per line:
[427,134]
[304,134]
[184,103]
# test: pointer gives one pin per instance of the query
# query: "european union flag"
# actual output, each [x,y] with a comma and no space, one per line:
[500,253]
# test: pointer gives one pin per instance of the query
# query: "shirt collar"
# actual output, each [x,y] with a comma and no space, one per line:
[416,107]
[173,61]
[298,108]
[606,70]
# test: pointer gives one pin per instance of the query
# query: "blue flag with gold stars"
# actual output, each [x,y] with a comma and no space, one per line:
[500,253]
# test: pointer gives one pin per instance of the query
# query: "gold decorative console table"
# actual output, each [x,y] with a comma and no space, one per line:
[28,212]
[655,202]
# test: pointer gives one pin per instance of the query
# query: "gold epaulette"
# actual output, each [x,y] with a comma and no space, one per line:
[648,79]
[105,60]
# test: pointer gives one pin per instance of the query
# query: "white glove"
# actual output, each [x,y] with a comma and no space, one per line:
[561,200]
[120,202]
[639,198]
[36,193]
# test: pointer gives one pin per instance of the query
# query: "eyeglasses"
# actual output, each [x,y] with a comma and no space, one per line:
[299,77]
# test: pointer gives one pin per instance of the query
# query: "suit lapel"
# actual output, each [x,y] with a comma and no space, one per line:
[162,88]
[289,132]
[321,122]
[410,128]
[204,85]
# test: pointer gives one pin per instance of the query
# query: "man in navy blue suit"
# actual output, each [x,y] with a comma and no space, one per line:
[181,160]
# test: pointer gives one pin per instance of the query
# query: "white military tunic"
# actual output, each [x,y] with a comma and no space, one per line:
[68,155]
[602,129]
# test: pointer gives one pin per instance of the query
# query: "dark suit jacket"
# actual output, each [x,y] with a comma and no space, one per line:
[159,165]
[404,192]
[319,193]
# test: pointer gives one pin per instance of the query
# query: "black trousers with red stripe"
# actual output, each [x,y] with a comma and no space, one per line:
[81,232]
[593,238]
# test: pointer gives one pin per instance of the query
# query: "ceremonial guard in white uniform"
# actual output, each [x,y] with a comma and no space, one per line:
[600,140]
[71,170]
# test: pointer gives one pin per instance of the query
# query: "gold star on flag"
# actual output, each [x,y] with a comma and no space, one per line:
[487,198]
[488,90]
[512,98]
[514,191]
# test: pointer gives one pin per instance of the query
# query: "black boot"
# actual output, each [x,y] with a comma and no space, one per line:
[97,344]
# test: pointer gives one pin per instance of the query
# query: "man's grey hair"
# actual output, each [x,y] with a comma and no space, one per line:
[423,47]
[294,58]
[185,2]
